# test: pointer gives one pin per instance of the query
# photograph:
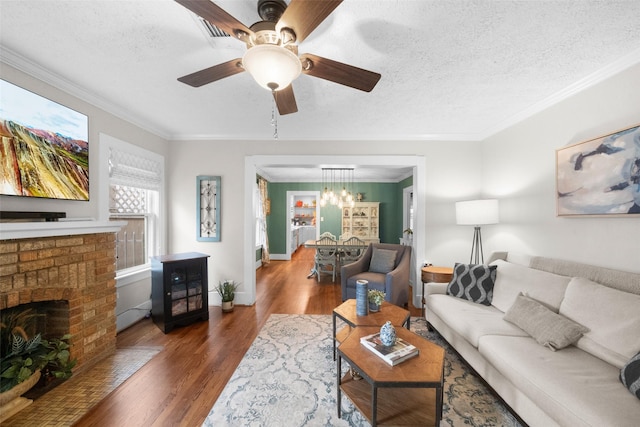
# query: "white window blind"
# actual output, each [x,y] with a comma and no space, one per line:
[134,171]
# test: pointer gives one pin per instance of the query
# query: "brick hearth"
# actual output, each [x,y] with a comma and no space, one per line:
[79,269]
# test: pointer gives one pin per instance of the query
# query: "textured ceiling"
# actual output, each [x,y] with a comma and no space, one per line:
[451,69]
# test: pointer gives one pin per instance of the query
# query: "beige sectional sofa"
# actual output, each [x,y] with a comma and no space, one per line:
[577,385]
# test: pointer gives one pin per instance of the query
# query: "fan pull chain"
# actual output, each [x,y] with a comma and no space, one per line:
[274,117]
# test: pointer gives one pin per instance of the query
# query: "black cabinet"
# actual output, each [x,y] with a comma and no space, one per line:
[179,289]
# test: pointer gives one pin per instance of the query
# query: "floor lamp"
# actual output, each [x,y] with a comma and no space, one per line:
[477,213]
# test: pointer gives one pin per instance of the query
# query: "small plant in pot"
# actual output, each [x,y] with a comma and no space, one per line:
[376,298]
[226,289]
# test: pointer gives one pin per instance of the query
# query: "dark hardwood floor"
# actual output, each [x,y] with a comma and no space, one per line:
[180,385]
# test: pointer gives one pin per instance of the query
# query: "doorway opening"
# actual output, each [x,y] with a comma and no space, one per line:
[303,218]
[254,164]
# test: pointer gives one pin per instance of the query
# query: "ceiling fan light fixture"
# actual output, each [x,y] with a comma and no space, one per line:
[272,67]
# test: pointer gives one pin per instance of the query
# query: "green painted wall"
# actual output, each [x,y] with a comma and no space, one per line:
[388,194]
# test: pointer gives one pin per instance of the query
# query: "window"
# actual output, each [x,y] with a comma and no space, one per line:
[135,180]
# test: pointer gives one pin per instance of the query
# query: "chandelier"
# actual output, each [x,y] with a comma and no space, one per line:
[338,187]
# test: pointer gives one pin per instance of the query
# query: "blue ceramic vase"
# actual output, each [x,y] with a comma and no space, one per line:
[388,334]
[362,306]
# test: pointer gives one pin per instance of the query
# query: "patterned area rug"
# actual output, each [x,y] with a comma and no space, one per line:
[287,378]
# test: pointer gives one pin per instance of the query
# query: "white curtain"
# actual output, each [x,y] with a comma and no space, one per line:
[264,197]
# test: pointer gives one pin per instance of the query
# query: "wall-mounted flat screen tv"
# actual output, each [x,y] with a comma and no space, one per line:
[44,147]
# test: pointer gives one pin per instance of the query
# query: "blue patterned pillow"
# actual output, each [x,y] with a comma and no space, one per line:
[382,260]
[473,282]
[630,375]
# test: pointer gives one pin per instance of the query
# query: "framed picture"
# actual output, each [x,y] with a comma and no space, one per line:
[208,209]
[600,176]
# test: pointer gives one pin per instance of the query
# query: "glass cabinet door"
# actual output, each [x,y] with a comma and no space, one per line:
[186,289]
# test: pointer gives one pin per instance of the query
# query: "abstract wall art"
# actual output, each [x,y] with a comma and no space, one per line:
[44,147]
[600,176]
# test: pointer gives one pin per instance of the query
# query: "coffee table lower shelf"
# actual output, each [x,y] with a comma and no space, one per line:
[398,406]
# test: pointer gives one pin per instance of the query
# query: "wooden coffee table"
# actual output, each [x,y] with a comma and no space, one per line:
[347,312]
[409,393]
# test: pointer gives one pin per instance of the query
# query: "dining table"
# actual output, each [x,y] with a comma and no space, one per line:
[340,243]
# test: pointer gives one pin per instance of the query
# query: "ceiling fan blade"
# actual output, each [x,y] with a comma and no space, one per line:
[211,74]
[218,17]
[304,16]
[285,100]
[338,72]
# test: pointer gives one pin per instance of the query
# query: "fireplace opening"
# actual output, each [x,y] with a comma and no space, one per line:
[20,327]
[51,318]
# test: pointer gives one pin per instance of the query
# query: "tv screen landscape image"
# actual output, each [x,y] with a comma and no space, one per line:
[44,148]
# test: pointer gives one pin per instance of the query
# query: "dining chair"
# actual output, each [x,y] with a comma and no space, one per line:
[351,250]
[328,234]
[326,259]
[345,236]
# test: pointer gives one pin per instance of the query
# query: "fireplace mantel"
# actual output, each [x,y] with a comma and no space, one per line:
[26,230]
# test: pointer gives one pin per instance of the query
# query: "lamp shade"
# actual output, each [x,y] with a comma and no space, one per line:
[477,212]
[272,67]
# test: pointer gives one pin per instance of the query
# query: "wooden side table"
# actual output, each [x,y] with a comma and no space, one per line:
[437,275]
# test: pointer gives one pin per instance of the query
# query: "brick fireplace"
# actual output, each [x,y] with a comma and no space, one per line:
[78,269]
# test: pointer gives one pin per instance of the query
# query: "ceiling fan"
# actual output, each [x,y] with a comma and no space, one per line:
[272,49]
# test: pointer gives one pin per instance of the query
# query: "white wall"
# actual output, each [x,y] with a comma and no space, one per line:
[517,166]
[99,121]
[519,169]
[132,293]
[450,173]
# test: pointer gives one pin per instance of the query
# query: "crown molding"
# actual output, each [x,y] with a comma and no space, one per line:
[27,66]
[472,137]
[591,80]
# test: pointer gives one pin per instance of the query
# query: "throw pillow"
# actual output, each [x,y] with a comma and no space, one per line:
[382,260]
[630,375]
[549,329]
[612,316]
[473,282]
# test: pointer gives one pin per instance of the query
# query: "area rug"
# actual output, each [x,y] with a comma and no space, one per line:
[287,378]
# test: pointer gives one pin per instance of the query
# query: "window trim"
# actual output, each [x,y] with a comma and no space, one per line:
[106,143]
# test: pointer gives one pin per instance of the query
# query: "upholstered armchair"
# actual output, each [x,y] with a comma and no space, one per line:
[387,272]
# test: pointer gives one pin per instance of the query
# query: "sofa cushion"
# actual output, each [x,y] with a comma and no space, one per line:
[548,328]
[612,316]
[571,386]
[468,319]
[473,282]
[630,375]
[382,260]
[547,288]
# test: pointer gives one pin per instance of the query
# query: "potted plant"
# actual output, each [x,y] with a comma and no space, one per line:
[226,289]
[26,356]
[376,298]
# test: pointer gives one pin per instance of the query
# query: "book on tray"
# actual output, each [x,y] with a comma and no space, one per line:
[394,354]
